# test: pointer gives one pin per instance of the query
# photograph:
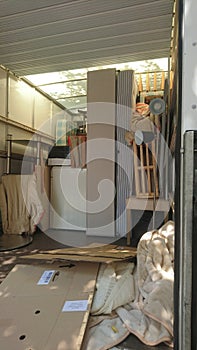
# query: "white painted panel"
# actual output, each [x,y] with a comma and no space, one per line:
[2,166]
[3,136]
[20,134]
[42,113]
[20,105]
[3,77]
[68,198]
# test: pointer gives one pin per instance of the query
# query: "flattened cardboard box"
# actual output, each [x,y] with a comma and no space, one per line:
[46,308]
[103,254]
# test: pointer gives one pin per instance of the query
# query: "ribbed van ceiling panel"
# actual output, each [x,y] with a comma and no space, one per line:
[51,16]
[40,36]
[22,6]
[82,47]
[117,50]
[61,66]
[133,28]
[70,26]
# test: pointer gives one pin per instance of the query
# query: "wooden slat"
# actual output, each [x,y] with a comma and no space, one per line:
[102,254]
[136,160]
[146,187]
[155,178]
[140,85]
[155,82]
[148,168]
[142,168]
[104,251]
[171,79]
[134,203]
[147,82]
[85,258]
[162,80]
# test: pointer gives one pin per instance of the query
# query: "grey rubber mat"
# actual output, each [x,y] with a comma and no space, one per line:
[10,242]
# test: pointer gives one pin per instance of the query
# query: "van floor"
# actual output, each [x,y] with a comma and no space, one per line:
[41,241]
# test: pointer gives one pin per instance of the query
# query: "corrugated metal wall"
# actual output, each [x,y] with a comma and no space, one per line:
[125,85]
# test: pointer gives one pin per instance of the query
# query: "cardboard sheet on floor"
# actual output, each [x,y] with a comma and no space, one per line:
[102,254]
[46,308]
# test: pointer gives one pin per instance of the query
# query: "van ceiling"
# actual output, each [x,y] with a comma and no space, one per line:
[43,36]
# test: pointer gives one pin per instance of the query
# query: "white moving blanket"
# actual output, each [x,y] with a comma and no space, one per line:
[21,208]
[141,298]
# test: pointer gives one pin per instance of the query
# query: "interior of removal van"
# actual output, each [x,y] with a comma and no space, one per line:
[89,120]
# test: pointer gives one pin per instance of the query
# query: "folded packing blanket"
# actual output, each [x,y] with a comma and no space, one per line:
[21,208]
[141,297]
